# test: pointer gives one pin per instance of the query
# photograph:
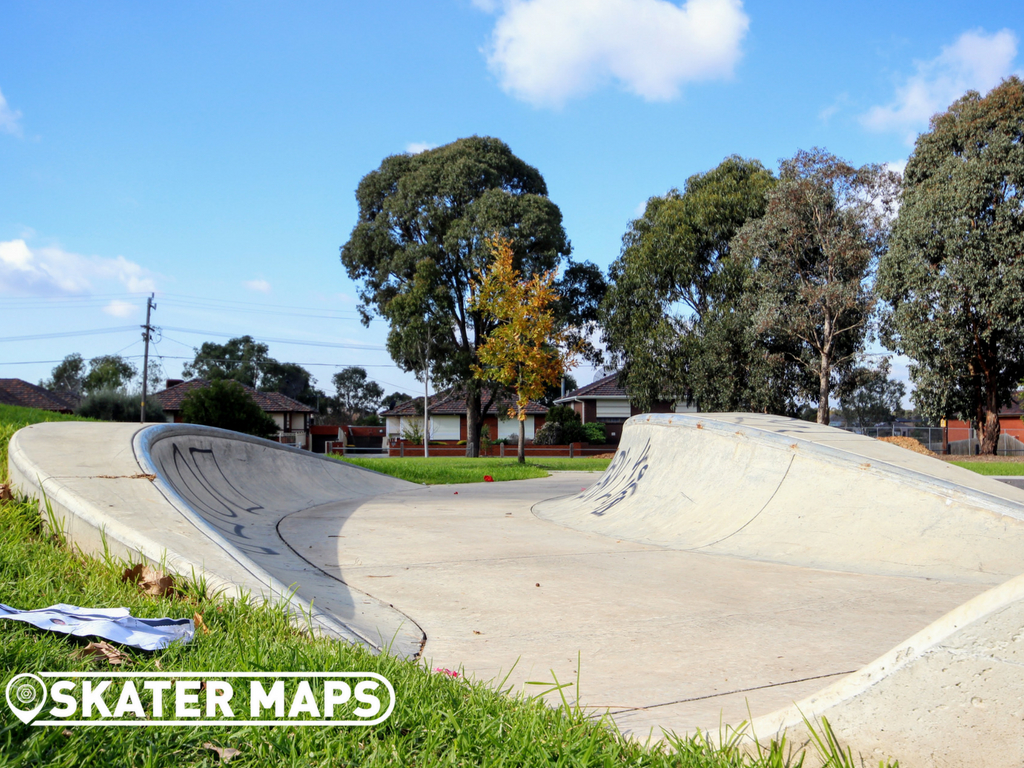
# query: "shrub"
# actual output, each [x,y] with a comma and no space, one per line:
[413,432]
[569,420]
[549,434]
[594,432]
[226,404]
[118,405]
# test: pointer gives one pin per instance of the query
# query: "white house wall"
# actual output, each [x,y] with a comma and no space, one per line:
[510,428]
[444,428]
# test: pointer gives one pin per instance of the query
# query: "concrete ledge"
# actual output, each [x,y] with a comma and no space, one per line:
[113,498]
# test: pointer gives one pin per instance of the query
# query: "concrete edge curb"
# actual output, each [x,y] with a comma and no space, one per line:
[792,719]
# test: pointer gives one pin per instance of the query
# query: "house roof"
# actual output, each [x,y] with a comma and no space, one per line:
[453,402]
[604,388]
[18,392]
[271,402]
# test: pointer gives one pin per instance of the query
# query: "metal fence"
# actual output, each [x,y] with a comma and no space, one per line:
[961,441]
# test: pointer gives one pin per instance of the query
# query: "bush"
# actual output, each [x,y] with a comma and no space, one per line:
[226,404]
[118,405]
[594,432]
[569,420]
[549,434]
[413,432]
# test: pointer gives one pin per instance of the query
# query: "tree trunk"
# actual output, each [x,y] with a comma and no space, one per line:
[522,441]
[473,424]
[825,376]
[988,426]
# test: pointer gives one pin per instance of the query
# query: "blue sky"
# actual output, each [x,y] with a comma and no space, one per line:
[210,151]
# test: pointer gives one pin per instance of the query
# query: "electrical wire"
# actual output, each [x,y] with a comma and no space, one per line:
[62,334]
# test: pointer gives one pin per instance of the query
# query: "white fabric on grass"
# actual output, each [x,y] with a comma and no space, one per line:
[115,624]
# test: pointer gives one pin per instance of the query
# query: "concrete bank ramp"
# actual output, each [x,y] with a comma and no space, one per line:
[788,491]
[780,490]
[207,502]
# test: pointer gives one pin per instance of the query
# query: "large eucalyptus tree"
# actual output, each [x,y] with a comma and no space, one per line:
[421,238]
[953,279]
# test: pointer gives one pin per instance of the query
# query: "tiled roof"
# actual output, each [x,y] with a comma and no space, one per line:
[453,402]
[606,387]
[18,392]
[271,402]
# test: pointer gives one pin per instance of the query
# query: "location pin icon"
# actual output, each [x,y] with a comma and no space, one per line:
[26,695]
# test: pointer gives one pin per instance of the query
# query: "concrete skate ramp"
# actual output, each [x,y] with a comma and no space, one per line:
[779,490]
[208,501]
[787,491]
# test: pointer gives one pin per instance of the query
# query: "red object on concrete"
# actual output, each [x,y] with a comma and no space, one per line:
[488,479]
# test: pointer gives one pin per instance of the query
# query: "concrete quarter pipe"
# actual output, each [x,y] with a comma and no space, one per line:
[702,496]
[779,490]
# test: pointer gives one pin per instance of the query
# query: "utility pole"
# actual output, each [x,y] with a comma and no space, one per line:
[147,332]
[426,396]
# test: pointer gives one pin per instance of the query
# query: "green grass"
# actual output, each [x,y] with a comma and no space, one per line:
[437,721]
[445,470]
[993,467]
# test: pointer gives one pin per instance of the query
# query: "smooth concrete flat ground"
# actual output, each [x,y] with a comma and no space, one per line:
[668,639]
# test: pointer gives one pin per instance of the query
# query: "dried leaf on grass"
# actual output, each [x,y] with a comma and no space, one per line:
[197,619]
[103,651]
[149,580]
[224,753]
[5,493]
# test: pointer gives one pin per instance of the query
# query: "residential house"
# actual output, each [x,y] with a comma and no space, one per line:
[962,439]
[293,418]
[448,417]
[18,392]
[605,402]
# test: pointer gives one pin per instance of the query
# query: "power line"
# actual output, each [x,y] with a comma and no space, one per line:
[97,331]
[332,344]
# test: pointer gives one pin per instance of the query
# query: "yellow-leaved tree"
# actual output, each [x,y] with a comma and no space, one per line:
[526,351]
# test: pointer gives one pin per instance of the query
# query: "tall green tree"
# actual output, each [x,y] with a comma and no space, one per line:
[814,251]
[953,280]
[673,316]
[357,394]
[108,372]
[67,377]
[421,237]
[291,380]
[226,405]
[241,359]
[874,398]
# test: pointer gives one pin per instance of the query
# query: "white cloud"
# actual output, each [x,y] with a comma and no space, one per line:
[547,51]
[257,285]
[975,61]
[897,165]
[52,271]
[9,118]
[415,147]
[119,308]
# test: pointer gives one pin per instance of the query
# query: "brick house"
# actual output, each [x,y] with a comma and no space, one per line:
[293,418]
[605,402]
[1011,432]
[448,417]
[18,392]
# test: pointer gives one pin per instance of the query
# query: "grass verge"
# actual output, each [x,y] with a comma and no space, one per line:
[438,720]
[992,467]
[445,470]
